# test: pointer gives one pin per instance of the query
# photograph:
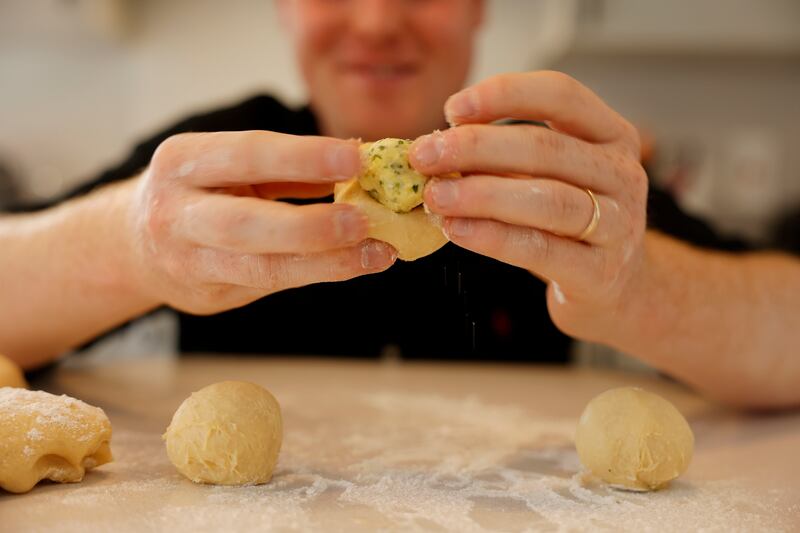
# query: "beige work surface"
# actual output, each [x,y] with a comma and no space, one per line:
[403,447]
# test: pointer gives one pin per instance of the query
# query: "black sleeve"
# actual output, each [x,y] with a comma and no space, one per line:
[787,232]
[253,113]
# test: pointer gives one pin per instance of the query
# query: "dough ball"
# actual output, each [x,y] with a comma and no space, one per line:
[228,433]
[389,191]
[43,436]
[11,374]
[413,234]
[634,439]
[388,177]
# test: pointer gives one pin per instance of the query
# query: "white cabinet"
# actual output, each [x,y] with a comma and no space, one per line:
[687,27]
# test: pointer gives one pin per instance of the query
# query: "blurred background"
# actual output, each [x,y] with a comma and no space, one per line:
[712,84]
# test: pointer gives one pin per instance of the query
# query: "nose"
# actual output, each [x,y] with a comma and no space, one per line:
[378,20]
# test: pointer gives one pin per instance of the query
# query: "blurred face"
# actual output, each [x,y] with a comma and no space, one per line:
[382,68]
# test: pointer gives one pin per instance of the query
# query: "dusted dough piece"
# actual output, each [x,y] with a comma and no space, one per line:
[43,436]
[634,439]
[228,433]
[10,374]
[412,234]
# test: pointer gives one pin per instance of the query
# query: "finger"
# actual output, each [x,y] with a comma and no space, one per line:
[253,225]
[269,272]
[522,149]
[569,262]
[545,96]
[226,159]
[548,205]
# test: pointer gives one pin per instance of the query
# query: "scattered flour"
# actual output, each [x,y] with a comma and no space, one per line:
[477,467]
[49,410]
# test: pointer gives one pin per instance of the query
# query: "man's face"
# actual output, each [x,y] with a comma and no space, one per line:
[382,68]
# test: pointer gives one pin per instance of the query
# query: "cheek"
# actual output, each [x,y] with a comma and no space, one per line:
[445,36]
[315,31]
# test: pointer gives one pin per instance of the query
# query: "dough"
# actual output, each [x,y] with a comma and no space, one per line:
[389,191]
[413,234]
[43,436]
[634,439]
[228,433]
[10,374]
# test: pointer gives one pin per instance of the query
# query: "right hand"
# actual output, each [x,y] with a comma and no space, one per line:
[210,235]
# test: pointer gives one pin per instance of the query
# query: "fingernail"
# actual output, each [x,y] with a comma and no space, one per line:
[461,105]
[428,149]
[376,255]
[343,161]
[349,226]
[444,193]
[459,227]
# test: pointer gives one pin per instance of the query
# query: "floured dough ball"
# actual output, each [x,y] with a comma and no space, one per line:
[228,433]
[11,374]
[634,439]
[389,191]
[43,436]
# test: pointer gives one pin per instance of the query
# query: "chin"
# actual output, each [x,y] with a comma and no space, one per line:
[396,121]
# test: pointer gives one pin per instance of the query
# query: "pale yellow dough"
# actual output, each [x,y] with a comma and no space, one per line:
[389,191]
[43,436]
[634,439]
[11,374]
[413,234]
[228,433]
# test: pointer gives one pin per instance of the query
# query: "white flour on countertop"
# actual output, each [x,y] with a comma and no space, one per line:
[475,467]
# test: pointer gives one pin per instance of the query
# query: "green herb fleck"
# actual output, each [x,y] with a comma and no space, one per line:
[415,187]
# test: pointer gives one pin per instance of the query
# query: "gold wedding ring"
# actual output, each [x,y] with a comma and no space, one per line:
[595,218]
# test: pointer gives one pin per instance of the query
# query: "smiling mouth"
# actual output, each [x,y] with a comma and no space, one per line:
[380,72]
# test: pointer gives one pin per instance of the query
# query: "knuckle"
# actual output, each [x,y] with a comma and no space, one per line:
[463,143]
[633,139]
[244,149]
[543,141]
[562,84]
[155,217]
[568,206]
[266,271]
[346,265]
[497,87]
[174,268]
[211,293]
[168,155]
[231,229]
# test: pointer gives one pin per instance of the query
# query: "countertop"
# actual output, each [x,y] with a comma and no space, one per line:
[395,446]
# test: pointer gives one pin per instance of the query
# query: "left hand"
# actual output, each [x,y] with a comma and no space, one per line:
[523,199]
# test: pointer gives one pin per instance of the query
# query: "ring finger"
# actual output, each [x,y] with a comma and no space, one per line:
[549,205]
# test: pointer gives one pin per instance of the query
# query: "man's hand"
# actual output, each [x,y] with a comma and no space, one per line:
[210,235]
[523,199]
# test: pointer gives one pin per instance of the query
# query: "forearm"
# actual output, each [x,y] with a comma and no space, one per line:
[728,325]
[66,275]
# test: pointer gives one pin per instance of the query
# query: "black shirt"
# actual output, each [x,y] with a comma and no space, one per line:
[453,304]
